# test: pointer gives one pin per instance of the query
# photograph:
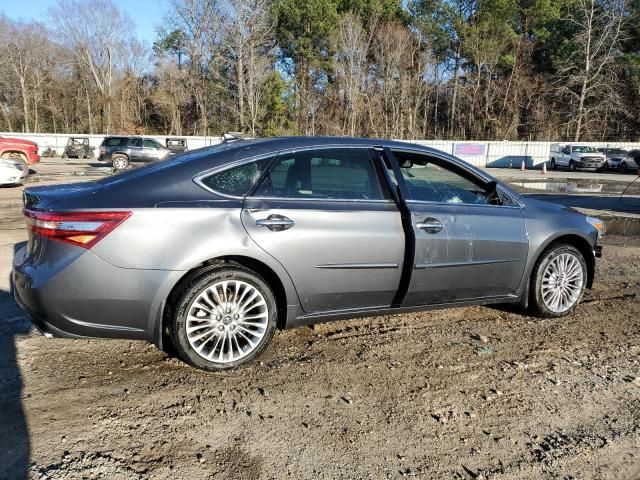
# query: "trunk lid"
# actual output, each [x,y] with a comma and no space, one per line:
[42,198]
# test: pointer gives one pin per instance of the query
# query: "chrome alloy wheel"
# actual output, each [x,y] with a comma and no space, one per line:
[562,283]
[120,163]
[227,321]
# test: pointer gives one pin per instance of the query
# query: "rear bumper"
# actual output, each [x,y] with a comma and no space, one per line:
[87,297]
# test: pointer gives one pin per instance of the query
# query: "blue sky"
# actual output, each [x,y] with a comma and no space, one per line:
[146,14]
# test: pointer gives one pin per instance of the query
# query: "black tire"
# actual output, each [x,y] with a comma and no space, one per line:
[197,284]
[64,155]
[119,161]
[624,168]
[536,300]
[553,165]
[572,166]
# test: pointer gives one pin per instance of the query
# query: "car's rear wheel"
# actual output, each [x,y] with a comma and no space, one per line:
[553,164]
[623,167]
[120,162]
[558,281]
[223,318]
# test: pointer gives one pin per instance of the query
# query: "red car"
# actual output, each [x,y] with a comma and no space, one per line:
[17,148]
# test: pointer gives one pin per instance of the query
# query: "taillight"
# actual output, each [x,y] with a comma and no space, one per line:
[83,229]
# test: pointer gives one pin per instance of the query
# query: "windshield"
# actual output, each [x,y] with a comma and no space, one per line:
[583,149]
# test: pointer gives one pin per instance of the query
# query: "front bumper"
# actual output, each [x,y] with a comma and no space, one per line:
[589,165]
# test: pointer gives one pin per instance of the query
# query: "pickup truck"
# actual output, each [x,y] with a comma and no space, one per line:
[24,151]
[576,157]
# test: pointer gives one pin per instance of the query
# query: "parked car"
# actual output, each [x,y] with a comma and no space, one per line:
[12,172]
[212,250]
[576,157]
[122,151]
[25,151]
[78,147]
[177,145]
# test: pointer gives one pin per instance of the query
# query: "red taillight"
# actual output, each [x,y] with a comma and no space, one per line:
[83,229]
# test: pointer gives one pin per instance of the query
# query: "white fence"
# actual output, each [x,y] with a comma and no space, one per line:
[482,154]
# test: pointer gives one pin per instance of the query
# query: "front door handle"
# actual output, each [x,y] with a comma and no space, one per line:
[275,223]
[430,225]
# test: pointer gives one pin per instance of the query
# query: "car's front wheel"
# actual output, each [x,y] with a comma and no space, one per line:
[558,281]
[223,318]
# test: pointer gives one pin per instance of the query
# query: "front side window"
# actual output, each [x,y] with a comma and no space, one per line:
[334,174]
[135,142]
[432,180]
[237,181]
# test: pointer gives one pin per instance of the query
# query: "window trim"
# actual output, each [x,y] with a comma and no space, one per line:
[275,154]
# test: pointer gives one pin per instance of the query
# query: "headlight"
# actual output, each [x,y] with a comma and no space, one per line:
[599,224]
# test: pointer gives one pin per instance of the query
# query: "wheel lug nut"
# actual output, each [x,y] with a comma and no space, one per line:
[236,316]
[221,327]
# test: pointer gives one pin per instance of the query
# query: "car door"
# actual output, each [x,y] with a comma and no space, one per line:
[150,150]
[327,218]
[135,149]
[468,245]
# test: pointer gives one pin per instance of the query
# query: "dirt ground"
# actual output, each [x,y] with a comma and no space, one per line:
[469,393]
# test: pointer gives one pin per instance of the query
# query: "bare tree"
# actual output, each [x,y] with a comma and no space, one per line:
[98,35]
[587,76]
[248,44]
[352,68]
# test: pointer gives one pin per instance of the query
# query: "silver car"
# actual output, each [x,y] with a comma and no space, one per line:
[211,251]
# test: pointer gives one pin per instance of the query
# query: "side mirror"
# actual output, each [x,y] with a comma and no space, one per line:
[492,193]
[407,164]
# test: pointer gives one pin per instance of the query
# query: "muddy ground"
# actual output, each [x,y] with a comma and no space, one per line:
[469,393]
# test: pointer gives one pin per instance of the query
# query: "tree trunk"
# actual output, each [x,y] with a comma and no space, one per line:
[454,96]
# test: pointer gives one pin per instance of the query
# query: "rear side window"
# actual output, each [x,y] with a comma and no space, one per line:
[237,181]
[339,174]
[115,141]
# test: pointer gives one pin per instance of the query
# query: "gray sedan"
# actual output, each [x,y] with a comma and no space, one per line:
[211,251]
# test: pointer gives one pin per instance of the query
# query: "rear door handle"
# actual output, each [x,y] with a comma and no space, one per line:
[275,223]
[430,225]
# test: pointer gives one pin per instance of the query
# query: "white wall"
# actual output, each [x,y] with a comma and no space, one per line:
[482,154]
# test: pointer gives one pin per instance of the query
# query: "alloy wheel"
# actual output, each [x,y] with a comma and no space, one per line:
[562,283]
[227,321]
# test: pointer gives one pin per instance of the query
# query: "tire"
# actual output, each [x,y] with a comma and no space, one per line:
[553,165]
[120,162]
[64,155]
[229,341]
[572,166]
[624,168]
[80,156]
[542,281]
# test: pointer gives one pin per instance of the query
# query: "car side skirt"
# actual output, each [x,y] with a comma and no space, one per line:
[311,319]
